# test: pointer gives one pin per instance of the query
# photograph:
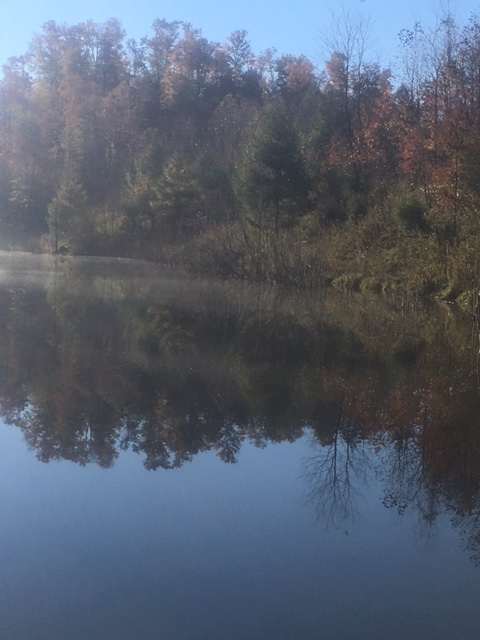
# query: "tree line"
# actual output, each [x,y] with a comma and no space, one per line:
[262,166]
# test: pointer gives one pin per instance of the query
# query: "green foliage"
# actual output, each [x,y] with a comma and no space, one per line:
[410,213]
[272,178]
[178,199]
[67,217]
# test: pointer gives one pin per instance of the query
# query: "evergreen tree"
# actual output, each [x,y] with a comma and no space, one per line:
[272,178]
[178,199]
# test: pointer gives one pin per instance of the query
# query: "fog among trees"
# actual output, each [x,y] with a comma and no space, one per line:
[263,166]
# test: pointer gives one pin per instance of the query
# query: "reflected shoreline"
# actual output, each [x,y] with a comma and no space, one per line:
[96,363]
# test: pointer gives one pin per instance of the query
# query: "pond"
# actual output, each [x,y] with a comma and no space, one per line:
[201,460]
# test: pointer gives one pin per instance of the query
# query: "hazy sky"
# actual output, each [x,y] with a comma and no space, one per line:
[289,25]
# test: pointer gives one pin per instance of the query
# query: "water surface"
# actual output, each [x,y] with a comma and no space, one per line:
[207,460]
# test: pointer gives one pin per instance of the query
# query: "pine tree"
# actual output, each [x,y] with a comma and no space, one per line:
[178,199]
[272,178]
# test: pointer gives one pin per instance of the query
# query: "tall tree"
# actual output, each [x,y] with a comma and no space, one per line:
[272,176]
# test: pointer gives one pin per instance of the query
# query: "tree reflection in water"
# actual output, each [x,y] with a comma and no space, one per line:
[95,363]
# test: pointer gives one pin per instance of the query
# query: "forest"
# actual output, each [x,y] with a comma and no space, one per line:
[260,166]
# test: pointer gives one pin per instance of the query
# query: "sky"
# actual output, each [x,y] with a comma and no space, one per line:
[291,26]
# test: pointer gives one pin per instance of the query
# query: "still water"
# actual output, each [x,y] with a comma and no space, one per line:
[201,461]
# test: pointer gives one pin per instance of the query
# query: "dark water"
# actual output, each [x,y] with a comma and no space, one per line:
[213,461]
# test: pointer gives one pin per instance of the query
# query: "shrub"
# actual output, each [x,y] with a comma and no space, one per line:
[410,213]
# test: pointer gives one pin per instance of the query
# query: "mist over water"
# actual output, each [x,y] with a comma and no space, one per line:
[206,459]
